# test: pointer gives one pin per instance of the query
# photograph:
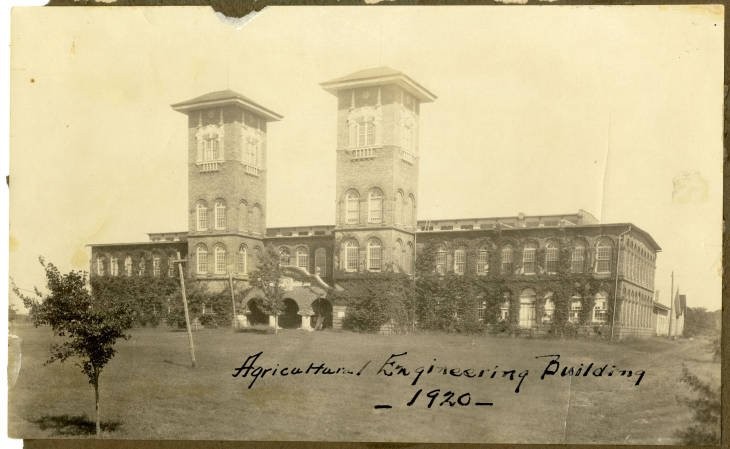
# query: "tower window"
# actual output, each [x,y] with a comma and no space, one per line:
[220,215]
[365,133]
[210,148]
[352,255]
[352,207]
[375,255]
[220,259]
[375,206]
[242,254]
[252,155]
[202,217]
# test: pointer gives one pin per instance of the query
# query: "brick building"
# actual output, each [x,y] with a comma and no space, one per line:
[375,228]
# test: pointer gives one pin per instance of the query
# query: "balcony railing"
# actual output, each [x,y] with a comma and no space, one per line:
[209,166]
[408,157]
[251,170]
[363,153]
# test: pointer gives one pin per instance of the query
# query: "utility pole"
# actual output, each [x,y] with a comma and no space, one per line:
[671,308]
[185,308]
[233,300]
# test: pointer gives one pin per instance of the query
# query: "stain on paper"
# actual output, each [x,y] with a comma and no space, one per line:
[689,187]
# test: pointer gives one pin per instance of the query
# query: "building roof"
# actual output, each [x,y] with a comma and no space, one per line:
[226,97]
[377,76]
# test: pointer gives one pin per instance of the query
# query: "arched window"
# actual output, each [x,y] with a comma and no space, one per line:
[352,255]
[220,214]
[506,257]
[303,258]
[128,265]
[603,256]
[483,261]
[600,308]
[441,260]
[201,256]
[142,267]
[577,258]
[156,266]
[399,256]
[320,261]
[528,258]
[201,216]
[399,216]
[504,307]
[412,212]
[100,266]
[220,259]
[548,310]
[410,258]
[352,207]
[284,257]
[375,255]
[460,260]
[257,219]
[527,308]
[375,206]
[171,266]
[576,306]
[242,263]
[242,215]
[551,258]
[114,266]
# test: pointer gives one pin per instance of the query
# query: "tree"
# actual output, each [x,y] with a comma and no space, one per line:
[698,321]
[706,407]
[267,277]
[89,328]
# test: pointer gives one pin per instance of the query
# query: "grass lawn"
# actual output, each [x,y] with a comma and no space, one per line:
[149,390]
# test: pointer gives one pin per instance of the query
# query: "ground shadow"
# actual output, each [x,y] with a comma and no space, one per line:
[73,425]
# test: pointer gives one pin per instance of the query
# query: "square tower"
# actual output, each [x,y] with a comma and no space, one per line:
[226,182]
[377,169]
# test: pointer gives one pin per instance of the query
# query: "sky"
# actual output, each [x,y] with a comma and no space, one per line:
[541,110]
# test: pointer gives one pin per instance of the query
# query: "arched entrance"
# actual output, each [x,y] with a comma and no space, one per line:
[322,318]
[289,318]
[255,315]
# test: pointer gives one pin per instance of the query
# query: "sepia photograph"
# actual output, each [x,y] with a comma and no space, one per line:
[422,224]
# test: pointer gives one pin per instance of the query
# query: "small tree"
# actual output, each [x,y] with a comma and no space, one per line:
[267,277]
[89,329]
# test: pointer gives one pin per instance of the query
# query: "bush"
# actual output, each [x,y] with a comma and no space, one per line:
[705,406]
[375,300]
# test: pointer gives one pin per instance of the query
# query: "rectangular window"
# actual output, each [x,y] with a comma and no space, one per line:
[575,308]
[375,258]
[600,312]
[171,267]
[528,261]
[577,260]
[156,266]
[441,262]
[507,261]
[303,260]
[603,259]
[351,258]
[202,218]
[220,262]
[366,134]
[483,262]
[551,260]
[459,261]
[114,266]
[202,262]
